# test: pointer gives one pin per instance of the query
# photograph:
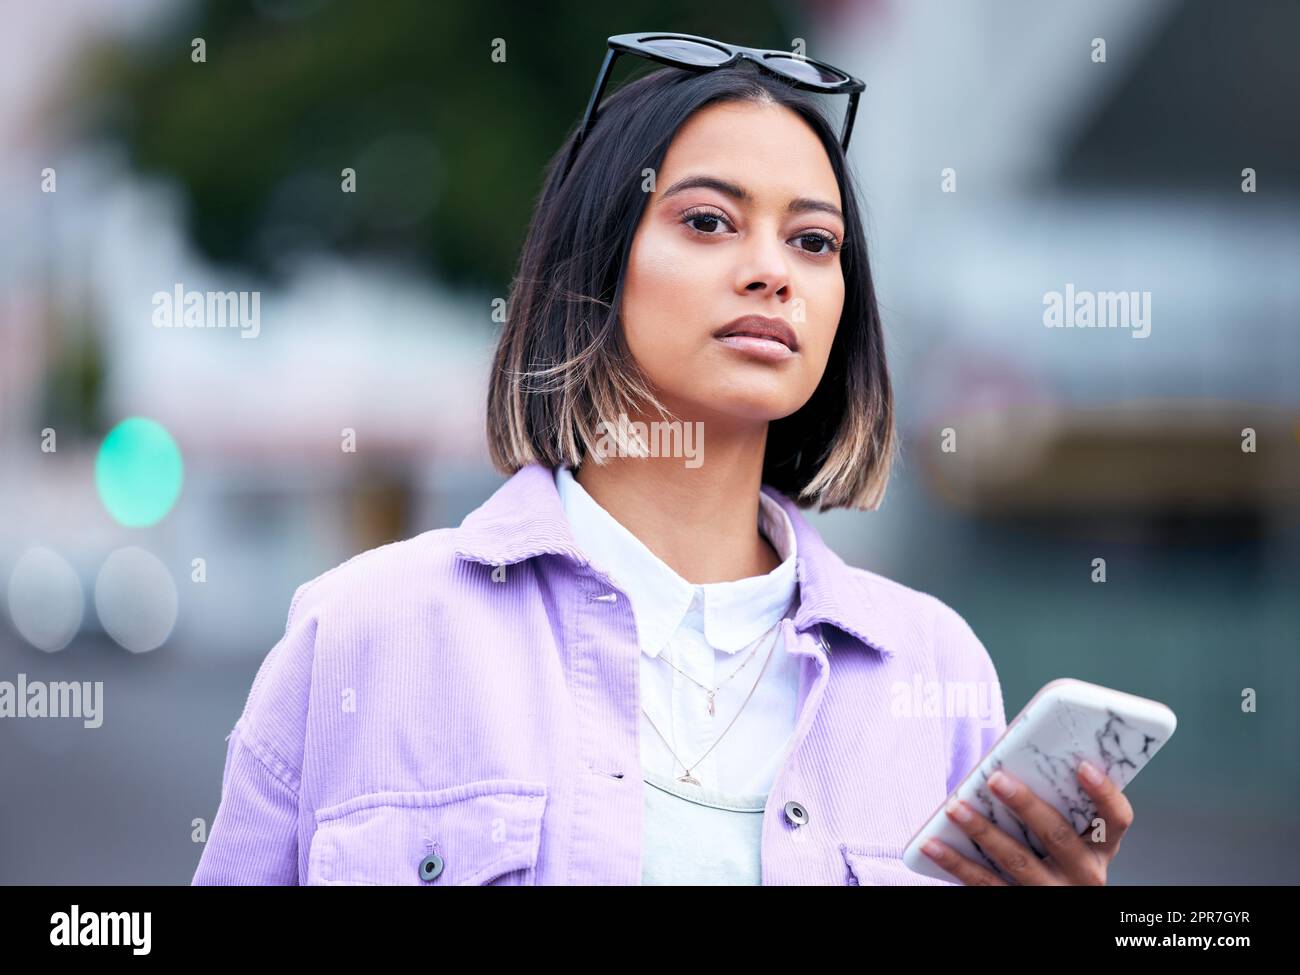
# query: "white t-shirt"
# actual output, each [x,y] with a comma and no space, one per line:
[708,833]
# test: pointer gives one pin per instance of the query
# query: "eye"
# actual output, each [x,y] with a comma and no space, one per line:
[705,222]
[825,243]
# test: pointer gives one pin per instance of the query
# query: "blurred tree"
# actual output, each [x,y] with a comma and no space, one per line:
[71,396]
[448,145]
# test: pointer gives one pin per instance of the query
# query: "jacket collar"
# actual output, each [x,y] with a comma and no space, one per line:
[524,518]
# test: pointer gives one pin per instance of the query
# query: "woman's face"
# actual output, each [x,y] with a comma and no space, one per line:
[745,219]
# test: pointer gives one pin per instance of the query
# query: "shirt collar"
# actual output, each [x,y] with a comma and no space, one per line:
[525,518]
[735,613]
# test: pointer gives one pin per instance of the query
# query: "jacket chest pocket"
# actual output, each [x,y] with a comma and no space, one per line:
[481,833]
[875,865]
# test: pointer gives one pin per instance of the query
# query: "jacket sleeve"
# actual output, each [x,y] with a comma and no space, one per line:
[254,836]
[974,728]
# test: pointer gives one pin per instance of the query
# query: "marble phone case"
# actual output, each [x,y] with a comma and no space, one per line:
[1066,721]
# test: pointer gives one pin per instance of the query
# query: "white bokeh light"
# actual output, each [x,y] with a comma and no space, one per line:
[46,602]
[136,599]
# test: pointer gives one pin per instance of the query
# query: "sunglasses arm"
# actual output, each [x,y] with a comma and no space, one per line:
[589,117]
[849,113]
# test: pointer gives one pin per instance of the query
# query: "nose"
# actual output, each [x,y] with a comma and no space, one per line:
[764,268]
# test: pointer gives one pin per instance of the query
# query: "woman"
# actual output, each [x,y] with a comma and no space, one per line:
[637,662]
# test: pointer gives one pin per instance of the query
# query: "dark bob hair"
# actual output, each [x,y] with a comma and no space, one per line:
[562,362]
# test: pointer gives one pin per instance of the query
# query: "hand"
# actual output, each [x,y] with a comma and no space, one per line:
[1072,860]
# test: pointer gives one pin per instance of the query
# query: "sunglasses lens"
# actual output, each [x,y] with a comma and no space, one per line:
[686,50]
[804,70]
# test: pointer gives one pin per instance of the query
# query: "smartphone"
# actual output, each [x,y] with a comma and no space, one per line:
[1067,721]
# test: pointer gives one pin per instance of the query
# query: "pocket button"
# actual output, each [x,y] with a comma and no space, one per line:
[430,867]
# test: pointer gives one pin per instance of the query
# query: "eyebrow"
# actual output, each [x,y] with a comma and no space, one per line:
[801,204]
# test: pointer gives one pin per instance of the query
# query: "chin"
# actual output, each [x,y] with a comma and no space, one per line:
[755,409]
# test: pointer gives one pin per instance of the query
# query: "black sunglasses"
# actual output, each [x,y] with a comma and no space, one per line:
[704,54]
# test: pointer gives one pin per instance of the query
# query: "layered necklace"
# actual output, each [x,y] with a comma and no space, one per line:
[688,778]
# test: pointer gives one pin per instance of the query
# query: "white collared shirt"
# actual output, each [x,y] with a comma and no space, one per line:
[706,630]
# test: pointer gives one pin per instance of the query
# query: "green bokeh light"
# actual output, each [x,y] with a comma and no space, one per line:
[138,472]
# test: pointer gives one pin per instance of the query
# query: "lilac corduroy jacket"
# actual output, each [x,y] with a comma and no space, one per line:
[463,708]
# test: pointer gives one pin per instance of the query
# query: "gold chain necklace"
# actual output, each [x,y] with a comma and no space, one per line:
[712,692]
[688,778]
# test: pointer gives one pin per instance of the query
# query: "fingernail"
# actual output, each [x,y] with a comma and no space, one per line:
[959,811]
[1001,783]
[1090,773]
[933,849]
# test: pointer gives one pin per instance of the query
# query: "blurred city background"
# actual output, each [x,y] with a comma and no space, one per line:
[131,166]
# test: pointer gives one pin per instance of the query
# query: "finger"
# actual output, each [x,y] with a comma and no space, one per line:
[1074,856]
[967,871]
[1021,863]
[1113,809]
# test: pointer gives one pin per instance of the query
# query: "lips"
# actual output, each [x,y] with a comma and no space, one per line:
[756,326]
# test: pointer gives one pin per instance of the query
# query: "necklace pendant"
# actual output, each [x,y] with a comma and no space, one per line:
[711,704]
[688,778]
